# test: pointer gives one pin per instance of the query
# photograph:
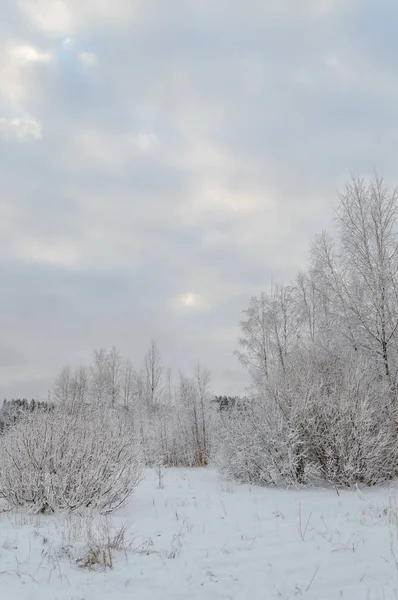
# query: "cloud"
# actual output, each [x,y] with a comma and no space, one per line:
[24,54]
[88,60]
[58,17]
[93,148]
[19,62]
[212,197]
[20,129]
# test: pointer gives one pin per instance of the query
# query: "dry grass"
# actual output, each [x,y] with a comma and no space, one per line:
[102,540]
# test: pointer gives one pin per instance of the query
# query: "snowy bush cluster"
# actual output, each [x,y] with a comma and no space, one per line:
[323,354]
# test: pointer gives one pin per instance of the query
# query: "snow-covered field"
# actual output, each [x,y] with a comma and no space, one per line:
[202,537]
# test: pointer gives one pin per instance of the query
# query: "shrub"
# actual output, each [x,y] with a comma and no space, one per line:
[317,419]
[68,459]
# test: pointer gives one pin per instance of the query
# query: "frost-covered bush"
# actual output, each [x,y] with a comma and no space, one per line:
[70,458]
[319,418]
[349,428]
[260,446]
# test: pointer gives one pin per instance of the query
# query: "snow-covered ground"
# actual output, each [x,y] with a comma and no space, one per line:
[200,537]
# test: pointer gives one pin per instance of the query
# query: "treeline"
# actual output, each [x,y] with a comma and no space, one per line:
[13,410]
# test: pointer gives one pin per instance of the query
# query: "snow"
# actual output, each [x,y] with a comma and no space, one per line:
[201,537]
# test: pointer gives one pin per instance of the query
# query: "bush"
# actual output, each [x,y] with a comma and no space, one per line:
[349,429]
[260,446]
[70,459]
[319,418]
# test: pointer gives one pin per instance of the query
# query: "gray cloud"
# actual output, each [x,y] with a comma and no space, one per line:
[159,162]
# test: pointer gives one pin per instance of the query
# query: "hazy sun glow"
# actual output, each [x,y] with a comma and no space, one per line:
[189,299]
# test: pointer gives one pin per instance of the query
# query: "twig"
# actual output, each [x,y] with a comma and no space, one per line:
[312,580]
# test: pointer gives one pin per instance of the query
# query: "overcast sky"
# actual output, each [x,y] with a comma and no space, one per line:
[161,160]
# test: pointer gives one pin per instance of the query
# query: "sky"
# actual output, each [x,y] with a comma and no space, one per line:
[162,161]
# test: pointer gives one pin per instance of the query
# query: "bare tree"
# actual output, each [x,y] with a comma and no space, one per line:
[99,384]
[114,373]
[194,415]
[62,389]
[202,380]
[81,384]
[269,332]
[361,276]
[129,388]
[282,323]
[254,341]
[307,300]
[153,375]
[169,388]
[71,387]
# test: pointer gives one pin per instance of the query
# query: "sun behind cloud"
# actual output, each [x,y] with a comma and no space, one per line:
[189,300]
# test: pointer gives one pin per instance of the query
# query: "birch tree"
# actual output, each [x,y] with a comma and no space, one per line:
[129,387]
[153,375]
[268,333]
[114,375]
[99,380]
[361,274]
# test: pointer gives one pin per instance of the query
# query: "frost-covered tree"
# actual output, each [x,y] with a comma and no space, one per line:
[268,333]
[153,375]
[323,356]
[129,388]
[115,374]
[360,273]
[100,387]
[195,415]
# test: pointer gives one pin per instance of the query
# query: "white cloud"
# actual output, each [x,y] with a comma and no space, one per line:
[88,60]
[112,151]
[20,129]
[213,238]
[68,43]
[18,61]
[145,141]
[96,247]
[324,8]
[198,154]
[62,17]
[270,9]
[53,16]
[25,54]
[214,197]
[58,252]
